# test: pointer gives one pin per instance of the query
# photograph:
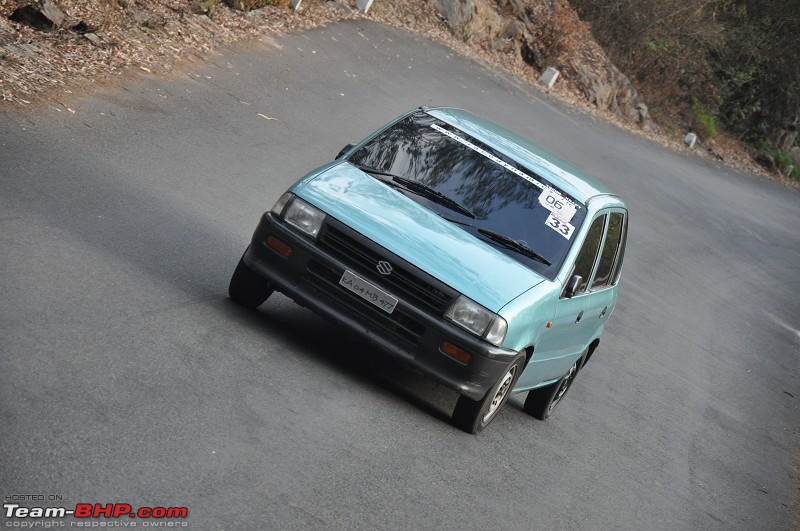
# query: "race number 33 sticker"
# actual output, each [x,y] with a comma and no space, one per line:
[559,225]
[557,203]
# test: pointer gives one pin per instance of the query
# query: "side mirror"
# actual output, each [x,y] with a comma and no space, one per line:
[344,150]
[573,286]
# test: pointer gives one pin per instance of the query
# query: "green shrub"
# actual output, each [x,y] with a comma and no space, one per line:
[703,120]
[784,160]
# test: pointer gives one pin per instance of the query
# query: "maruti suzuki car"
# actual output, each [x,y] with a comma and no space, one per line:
[456,245]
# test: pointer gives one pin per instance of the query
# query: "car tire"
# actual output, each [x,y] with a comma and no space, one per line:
[541,402]
[473,416]
[247,287]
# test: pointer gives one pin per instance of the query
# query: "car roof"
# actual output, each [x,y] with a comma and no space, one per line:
[561,174]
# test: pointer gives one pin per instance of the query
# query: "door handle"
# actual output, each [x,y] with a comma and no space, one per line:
[603,313]
[580,316]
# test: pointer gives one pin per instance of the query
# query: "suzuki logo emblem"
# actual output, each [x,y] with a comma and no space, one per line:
[384,268]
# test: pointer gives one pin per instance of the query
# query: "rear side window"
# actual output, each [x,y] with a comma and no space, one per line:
[611,250]
[621,252]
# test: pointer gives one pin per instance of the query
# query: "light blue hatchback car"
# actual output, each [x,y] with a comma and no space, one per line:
[456,245]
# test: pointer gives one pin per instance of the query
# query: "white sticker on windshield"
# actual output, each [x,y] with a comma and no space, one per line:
[555,202]
[559,225]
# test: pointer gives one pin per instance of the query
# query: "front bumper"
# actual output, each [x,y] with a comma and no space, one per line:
[413,331]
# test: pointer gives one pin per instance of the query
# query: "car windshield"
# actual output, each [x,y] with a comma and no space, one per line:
[487,191]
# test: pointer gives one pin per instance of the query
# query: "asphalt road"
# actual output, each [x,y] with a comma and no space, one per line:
[128,376]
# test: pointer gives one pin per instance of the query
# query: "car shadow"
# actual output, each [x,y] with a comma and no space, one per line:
[364,364]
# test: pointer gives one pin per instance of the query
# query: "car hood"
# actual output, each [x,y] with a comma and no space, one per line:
[435,245]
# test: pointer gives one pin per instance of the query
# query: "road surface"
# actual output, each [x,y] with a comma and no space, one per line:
[128,376]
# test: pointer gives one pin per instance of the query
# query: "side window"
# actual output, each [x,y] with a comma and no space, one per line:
[621,253]
[586,258]
[610,251]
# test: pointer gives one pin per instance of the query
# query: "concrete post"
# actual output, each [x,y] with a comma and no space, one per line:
[363,5]
[549,77]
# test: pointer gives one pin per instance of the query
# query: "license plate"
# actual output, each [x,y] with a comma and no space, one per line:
[368,291]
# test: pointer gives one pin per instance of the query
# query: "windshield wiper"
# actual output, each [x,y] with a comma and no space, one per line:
[514,245]
[420,189]
[506,241]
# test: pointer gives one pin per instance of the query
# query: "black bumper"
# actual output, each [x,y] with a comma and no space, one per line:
[413,331]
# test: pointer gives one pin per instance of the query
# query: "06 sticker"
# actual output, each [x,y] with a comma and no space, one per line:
[553,201]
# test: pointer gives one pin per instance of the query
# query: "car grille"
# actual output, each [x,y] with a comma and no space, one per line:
[402,282]
[399,324]
[405,282]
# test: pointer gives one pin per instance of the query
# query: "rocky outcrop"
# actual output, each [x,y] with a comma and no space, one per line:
[609,89]
[548,33]
[44,15]
[470,18]
[501,29]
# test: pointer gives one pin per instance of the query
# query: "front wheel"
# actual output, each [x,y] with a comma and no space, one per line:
[473,416]
[247,287]
[541,402]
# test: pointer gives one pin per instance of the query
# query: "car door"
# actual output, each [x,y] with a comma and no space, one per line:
[581,314]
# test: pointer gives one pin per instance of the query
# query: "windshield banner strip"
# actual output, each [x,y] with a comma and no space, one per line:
[489,156]
[502,163]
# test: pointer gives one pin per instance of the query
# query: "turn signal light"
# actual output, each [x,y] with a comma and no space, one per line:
[278,246]
[456,353]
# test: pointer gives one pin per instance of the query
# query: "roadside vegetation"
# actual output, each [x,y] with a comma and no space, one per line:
[716,66]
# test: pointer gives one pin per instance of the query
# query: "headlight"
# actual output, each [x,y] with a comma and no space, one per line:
[303,216]
[478,320]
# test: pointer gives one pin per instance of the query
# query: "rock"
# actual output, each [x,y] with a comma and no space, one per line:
[53,13]
[94,39]
[515,29]
[690,140]
[457,14]
[45,16]
[609,89]
[471,19]
[642,116]
[596,88]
